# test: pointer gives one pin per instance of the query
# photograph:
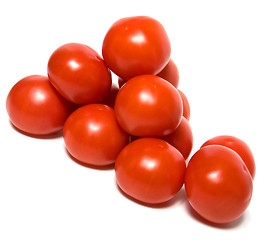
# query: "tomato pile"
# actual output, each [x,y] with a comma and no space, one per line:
[140,126]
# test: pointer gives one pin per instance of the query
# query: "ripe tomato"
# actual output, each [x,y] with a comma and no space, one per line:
[238,146]
[148,106]
[150,170]
[186,106]
[135,46]
[35,107]
[185,103]
[170,73]
[79,74]
[218,184]
[181,138]
[93,136]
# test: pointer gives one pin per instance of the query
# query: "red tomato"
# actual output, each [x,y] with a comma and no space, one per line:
[35,107]
[79,74]
[135,46]
[181,138]
[170,73]
[238,146]
[185,103]
[148,106]
[111,96]
[218,184]
[150,170]
[93,136]
[186,106]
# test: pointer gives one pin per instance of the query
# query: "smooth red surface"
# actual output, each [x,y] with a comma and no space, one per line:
[186,106]
[218,184]
[185,102]
[170,73]
[150,170]
[239,146]
[93,136]
[135,46]
[181,138]
[35,107]
[148,106]
[111,96]
[79,74]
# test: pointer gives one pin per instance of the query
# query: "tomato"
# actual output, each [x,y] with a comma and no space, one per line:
[218,184]
[148,106]
[181,138]
[150,170]
[185,103]
[111,96]
[35,107]
[135,46]
[93,136]
[238,146]
[170,73]
[79,74]
[186,106]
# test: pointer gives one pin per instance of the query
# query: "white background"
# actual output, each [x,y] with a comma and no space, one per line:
[220,50]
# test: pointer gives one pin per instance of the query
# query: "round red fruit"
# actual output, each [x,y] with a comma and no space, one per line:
[150,170]
[35,107]
[218,184]
[148,106]
[135,46]
[79,74]
[93,136]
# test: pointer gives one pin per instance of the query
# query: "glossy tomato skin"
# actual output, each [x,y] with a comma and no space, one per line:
[170,73]
[148,106]
[150,170]
[92,135]
[135,46]
[35,107]
[79,74]
[239,146]
[218,184]
[186,106]
[181,138]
